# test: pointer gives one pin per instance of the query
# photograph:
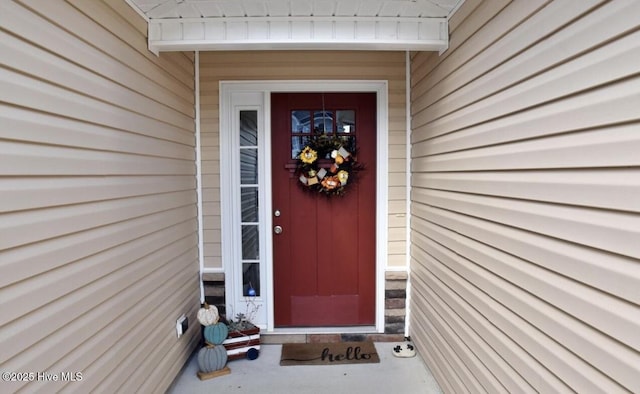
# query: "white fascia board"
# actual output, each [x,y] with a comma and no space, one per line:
[298,33]
[171,46]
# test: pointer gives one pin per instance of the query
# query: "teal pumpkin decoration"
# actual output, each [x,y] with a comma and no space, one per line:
[216,333]
[212,358]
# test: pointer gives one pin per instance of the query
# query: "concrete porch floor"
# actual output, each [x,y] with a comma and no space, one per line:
[265,375]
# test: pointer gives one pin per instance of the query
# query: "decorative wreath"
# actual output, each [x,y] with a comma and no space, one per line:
[326,166]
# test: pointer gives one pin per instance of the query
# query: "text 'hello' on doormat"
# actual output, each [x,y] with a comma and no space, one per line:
[329,353]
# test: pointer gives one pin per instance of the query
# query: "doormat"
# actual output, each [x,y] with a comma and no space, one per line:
[329,353]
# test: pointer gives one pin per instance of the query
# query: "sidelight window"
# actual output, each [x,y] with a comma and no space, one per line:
[249,207]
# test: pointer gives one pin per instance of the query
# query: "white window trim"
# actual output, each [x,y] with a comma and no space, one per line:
[227,190]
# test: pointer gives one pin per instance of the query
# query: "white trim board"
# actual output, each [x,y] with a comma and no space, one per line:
[408,192]
[237,91]
[199,173]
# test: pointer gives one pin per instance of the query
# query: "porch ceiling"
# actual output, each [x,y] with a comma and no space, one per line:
[297,24]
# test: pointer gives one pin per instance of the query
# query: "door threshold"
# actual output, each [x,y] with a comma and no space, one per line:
[319,334]
[324,330]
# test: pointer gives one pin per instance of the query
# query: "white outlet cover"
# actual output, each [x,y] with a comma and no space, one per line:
[179,325]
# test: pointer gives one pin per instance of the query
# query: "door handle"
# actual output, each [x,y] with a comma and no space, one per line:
[277,229]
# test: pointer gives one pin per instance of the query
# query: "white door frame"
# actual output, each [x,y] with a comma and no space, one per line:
[236,95]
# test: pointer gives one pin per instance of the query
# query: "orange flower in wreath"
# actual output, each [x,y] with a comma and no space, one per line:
[330,182]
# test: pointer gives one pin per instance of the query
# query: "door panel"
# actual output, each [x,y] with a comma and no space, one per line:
[324,259]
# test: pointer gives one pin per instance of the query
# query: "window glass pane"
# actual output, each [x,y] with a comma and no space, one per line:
[250,242]
[248,128]
[300,121]
[323,121]
[249,166]
[297,145]
[346,120]
[348,142]
[250,279]
[249,202]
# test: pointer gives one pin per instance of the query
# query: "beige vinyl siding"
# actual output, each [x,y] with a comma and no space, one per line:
[525,262]
[98,233]
[296,65]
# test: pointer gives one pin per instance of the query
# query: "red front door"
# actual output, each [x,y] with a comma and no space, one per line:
[324,257]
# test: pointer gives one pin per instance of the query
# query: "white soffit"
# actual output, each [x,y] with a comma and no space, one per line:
[179,25]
